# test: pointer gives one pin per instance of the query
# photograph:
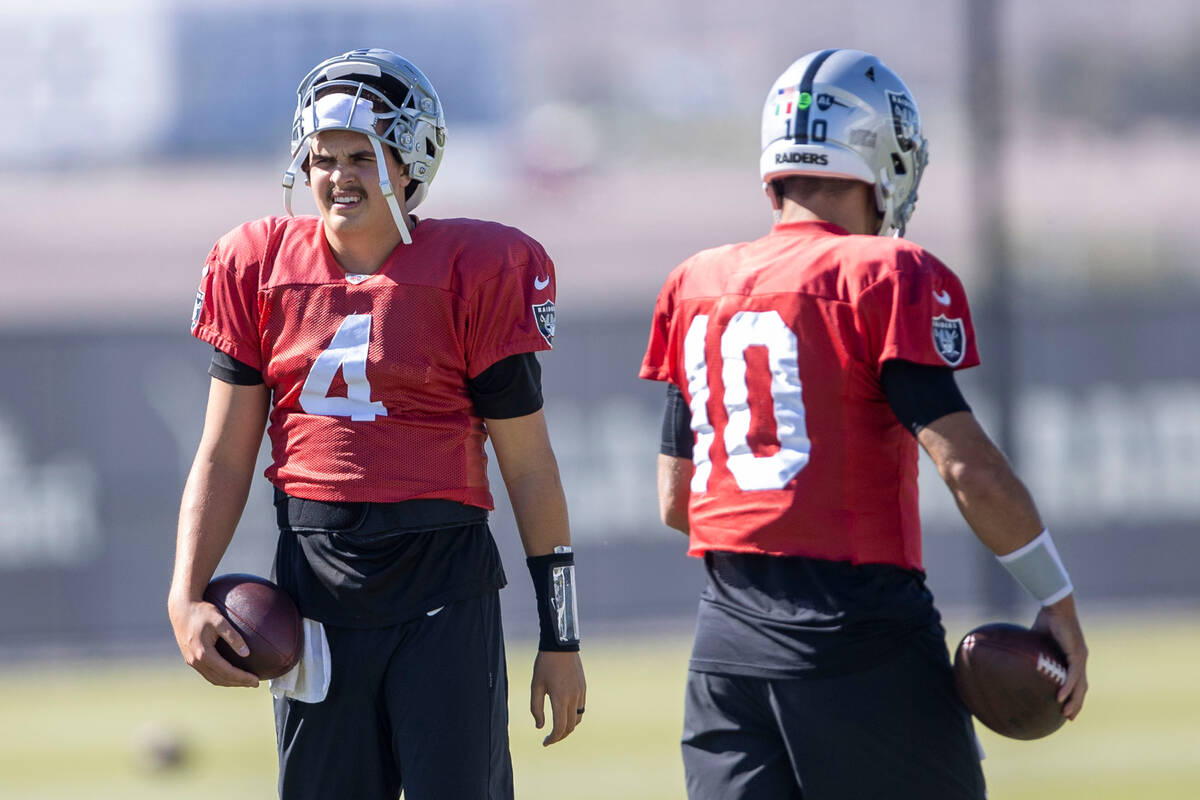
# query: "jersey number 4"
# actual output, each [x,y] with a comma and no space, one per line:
[747,329]
[347,351]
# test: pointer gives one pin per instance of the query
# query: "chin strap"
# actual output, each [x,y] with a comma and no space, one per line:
[386,187]
[289,175]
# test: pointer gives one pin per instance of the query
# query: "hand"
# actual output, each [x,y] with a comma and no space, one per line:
[559,675]
[1061,622]
[197,626]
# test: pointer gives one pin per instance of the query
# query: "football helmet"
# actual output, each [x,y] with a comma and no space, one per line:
[843,114]
[383,96]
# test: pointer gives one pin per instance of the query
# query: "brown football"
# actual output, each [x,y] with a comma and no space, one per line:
[266,618]
[1009,676]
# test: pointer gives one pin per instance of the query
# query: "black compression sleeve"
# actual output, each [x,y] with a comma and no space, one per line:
[919,394]
[512,387]
[225,367]
[677,437]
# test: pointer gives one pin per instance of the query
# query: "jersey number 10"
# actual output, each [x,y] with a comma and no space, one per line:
[747,329]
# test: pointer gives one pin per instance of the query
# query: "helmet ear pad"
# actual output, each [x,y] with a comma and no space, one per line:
[414,193]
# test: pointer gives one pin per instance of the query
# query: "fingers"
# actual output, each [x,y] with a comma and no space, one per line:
[232,637]
[559,675]
[197,634]
[568,709]
[1075,687]
[1073,693]
[565,720]
[537,702]
[216,670]
[1061,622]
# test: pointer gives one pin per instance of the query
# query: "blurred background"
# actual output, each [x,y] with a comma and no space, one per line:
[624,136]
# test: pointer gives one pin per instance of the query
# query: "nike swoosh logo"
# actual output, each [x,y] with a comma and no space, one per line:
[942,297]
[542,283]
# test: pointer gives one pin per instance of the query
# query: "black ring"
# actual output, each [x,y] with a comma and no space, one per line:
[579,711]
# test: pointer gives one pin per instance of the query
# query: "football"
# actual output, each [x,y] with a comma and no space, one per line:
[1008,677]
[266,618]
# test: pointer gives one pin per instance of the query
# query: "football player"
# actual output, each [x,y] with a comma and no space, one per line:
[381,351]
[803,369]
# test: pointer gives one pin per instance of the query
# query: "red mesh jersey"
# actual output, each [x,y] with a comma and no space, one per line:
[777,345]
[369,374]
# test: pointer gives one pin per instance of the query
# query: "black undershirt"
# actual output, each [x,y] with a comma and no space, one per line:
[918,395]
[795,617]
[512,387]
[368,565]
[225,367]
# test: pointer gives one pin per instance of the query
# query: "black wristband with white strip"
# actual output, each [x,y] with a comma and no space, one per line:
[554,583]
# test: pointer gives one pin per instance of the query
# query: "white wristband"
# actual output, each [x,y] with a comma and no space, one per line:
[1038,568]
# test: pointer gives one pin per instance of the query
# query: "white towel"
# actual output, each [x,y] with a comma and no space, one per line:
[308,681]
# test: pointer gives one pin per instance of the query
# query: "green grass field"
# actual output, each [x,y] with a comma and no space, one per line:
[79,730]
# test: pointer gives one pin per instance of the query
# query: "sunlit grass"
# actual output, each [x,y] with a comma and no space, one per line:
[82,730]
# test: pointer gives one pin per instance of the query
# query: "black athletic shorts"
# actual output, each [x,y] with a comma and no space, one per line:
[421,706]
[896,731]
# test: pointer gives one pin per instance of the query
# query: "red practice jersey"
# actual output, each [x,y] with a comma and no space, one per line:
[368,373]
[777,345]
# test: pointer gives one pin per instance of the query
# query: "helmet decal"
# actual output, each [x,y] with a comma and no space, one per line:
[905,121]
[804,102]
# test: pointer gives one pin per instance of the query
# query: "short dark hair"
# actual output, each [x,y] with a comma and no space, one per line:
[802,187]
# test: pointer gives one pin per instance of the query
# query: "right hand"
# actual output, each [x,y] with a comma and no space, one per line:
[1061,621]
[198,624]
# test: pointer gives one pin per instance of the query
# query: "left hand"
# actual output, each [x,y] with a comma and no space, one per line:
[1061,622]
[559,675]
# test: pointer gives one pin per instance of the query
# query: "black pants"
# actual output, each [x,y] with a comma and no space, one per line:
[420,706]
[893,732]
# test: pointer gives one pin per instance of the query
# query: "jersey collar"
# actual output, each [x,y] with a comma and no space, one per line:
[810,227]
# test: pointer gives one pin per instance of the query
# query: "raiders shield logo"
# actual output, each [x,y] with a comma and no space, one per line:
[543,314]
[198,305]
[949,339]
[904,119]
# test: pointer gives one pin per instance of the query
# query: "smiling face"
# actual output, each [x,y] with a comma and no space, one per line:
[344,176]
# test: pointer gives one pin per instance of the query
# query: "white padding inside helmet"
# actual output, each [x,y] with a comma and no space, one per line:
[338,110]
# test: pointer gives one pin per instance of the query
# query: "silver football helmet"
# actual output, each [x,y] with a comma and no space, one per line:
[377,93]
[843,114]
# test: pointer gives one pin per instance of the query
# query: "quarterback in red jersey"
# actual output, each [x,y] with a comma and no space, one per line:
[803,370]
[381,352]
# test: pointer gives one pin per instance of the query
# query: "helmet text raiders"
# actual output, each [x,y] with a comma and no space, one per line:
[383,96]
[843,114]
